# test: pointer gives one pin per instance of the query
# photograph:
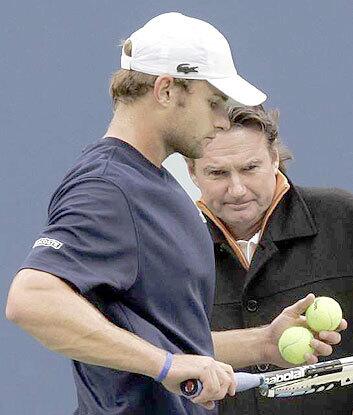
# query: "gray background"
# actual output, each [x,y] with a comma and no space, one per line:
[55,62]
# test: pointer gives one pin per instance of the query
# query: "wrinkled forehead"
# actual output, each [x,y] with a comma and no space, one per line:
[237,142]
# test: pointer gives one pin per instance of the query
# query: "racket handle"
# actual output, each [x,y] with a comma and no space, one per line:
[243,381]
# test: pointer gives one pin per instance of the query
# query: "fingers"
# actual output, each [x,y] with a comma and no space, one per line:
[321,348]
[211,385]
[330,337]
[217,378]
[323,343]
[217,382]
[311,359]
[333,337]
[343,325]
[298,308]
[232,385]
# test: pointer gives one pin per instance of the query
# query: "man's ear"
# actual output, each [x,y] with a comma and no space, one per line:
[163,89]
[190,163]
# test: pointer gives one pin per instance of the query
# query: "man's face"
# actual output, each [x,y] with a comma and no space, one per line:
[195,119]
[237,177]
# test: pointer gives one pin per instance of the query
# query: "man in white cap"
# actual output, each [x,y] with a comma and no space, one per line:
[121,279]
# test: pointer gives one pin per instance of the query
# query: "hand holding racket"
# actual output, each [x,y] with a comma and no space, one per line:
[302,380]
[217,377]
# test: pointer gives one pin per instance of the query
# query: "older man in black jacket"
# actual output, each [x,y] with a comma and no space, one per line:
[274,242]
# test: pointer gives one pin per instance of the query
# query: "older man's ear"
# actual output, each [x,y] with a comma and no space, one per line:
[190,163]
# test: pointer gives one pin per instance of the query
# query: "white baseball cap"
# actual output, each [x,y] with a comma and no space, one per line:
[189,48]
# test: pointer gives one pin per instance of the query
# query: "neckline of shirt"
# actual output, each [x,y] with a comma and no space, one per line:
[254,239]
[118,142]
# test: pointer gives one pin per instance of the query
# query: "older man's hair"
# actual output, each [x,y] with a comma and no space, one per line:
[265,121]
[128,85]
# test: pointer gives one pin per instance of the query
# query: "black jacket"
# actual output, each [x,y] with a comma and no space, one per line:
[307,247]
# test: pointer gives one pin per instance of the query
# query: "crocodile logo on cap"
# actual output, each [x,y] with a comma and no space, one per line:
[186,68]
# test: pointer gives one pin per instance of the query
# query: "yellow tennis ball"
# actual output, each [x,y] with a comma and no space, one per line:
[294,343]
[324,314]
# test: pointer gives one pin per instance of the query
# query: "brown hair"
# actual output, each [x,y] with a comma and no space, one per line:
[128,85]
[267,122]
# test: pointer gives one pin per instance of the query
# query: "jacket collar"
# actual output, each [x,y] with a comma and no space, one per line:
[216,234]
[291,219]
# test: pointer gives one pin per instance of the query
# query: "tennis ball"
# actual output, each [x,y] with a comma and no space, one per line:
[294,343]
[324,314]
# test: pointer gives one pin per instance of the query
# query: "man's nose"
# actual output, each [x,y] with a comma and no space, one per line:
[236,188]
[222,120]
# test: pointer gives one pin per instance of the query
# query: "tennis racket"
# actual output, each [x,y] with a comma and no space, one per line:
[301,380]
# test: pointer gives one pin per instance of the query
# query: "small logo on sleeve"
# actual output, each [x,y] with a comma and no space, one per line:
[186,68]
[53,243]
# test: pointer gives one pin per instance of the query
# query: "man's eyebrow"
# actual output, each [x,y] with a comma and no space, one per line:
[208,168]
[211,167]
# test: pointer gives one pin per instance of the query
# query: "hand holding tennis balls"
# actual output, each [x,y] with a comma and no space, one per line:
[324,314]
[292,316]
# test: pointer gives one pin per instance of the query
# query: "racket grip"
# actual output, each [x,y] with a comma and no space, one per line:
[243,381]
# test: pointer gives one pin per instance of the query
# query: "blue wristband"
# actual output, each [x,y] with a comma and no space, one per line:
[166,367]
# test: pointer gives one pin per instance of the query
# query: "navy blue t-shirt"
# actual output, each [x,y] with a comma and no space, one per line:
[125,234]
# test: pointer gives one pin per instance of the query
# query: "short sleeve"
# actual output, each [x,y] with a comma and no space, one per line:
[90,238]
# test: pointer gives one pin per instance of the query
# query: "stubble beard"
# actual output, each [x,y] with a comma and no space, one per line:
[178,143]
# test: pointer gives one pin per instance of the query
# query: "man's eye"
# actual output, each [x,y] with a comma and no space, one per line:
[213,104]
[250,167]
[217,172]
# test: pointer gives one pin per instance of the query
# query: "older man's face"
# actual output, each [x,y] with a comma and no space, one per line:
[237,177]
